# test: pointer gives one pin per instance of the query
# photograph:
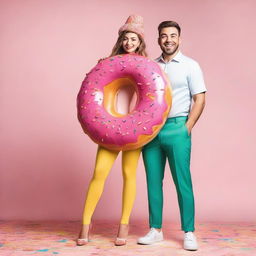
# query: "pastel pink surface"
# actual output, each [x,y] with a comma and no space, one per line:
[109,130]
[46,160]
[23,238]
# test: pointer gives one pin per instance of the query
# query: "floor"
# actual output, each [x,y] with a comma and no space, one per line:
[58,238]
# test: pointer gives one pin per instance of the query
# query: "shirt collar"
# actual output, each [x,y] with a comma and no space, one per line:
[177,58]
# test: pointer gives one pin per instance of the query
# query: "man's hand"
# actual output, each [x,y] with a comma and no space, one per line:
[196,111]
[189,127]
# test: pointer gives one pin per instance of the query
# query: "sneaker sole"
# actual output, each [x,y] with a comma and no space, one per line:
[191,249]
[150,243]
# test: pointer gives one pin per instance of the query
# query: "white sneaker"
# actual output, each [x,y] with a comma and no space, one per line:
[190,242]
[153,236]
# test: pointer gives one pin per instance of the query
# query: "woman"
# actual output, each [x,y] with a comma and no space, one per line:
[130,41]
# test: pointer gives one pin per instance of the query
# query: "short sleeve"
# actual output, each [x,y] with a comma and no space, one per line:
[196,79]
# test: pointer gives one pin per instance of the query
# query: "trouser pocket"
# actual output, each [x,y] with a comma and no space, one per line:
[186,130]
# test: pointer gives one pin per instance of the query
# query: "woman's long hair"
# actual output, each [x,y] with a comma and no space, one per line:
[118,47]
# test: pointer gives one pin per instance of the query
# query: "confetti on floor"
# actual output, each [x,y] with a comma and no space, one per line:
[19,238]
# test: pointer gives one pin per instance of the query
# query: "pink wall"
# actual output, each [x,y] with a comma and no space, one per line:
[46,160]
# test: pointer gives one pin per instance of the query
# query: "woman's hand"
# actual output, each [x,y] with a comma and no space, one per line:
[101,60]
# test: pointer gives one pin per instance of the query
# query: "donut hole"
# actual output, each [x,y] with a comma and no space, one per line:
[126,99]
[120,97]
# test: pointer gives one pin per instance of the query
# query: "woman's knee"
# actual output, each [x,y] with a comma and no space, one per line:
[129,173]
[100,173]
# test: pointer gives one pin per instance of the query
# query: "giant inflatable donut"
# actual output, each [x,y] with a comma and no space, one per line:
[96,102]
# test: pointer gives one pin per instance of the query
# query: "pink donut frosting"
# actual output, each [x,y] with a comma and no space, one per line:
[152,107]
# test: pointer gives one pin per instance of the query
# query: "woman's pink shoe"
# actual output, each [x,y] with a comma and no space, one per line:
[120,241]
[81,241]
[123,232]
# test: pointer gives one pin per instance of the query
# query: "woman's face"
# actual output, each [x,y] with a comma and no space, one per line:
[130,42]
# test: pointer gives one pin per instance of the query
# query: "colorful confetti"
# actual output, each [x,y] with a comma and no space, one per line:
[51,238]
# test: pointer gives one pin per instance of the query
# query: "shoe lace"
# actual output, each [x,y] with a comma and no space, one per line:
[189,236]
[152,231]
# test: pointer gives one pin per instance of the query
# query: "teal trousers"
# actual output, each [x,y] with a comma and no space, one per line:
[172,143]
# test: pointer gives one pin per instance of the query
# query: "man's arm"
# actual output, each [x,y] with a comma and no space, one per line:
[196,111]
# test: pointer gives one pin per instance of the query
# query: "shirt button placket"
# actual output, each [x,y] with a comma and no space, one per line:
[165,67]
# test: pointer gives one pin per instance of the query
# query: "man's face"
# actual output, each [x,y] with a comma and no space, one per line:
[169,40]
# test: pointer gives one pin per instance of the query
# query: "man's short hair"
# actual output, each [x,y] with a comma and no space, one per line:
[169,23]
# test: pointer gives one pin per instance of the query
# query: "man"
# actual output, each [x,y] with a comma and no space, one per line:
[174,140]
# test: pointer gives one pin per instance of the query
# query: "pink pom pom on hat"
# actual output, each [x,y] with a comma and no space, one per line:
[134,23]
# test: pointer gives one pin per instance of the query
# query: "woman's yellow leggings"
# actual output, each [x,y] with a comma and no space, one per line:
[104,161]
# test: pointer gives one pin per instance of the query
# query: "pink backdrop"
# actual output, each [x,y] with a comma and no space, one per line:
[46,160]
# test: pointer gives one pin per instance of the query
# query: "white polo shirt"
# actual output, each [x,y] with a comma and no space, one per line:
[186,80]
